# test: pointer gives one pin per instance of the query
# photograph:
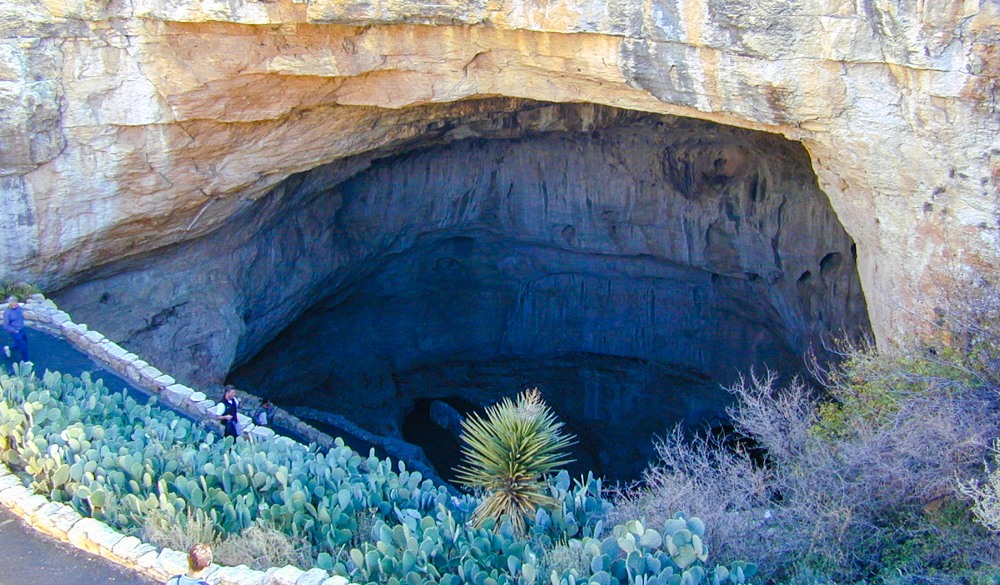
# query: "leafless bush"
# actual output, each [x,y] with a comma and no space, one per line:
[847,498]
[702,477]
[968,320]
[847,490]
[778,421]
[262,547]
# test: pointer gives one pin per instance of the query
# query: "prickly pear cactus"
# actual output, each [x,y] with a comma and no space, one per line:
[119,460]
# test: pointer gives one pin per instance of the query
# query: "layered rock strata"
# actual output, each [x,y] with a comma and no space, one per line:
[129,126]
[135,133]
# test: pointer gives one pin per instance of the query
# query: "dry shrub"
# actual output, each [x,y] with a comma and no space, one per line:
[565,557]
[259,546]
[179,532]
[857,486]
[262,547]
[985,494]
[703,478]
[870,497]
[365,520]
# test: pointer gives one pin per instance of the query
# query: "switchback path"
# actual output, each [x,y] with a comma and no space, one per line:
[49,352]
[26,555]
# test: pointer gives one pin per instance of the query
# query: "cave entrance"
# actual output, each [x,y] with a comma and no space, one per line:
[626,264]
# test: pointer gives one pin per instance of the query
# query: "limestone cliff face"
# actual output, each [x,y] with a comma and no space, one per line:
[130,126]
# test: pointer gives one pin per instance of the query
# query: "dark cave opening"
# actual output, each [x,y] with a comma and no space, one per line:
[628,265]
[628,274]
[438,437]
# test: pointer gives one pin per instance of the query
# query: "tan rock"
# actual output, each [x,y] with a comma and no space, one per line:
[94,536]
[118,138]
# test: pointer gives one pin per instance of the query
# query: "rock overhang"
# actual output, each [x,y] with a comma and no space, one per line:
[709,240]
[155,122]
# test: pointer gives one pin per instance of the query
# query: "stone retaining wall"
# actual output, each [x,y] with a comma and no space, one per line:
[68,525]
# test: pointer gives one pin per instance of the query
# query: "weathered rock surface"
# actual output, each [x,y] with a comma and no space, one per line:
[447,417]
[130,126]
[231,163]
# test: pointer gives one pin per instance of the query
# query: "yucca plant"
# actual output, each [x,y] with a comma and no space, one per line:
[508,454]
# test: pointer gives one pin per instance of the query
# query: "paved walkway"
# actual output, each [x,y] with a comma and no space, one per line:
[27,556]
[56,354]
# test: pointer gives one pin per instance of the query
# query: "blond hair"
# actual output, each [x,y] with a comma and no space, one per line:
[199,557]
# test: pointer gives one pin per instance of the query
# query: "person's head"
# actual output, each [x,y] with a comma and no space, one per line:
[228,392]
[12,301]
[199,557]
[266,402]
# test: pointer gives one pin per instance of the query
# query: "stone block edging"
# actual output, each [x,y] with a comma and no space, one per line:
[88,534]
[67,525]
[43,314]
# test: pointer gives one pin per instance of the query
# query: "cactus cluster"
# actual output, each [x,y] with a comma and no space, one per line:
[141,458]
[440,550]
[118,460]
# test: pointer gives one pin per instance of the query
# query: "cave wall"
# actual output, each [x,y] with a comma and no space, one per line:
[130,126]
[631,269]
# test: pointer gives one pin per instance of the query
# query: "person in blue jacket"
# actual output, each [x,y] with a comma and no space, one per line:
[13,323]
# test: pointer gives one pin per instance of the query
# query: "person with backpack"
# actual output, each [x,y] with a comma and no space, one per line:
[199,557]
[227,412]
[264,415]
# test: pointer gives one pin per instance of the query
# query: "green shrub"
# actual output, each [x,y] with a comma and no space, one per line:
[19,289]
[867,389]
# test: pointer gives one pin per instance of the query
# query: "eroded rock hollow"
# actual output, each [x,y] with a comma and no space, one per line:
[627,264]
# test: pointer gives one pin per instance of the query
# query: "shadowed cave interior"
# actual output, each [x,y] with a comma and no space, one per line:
[626,264]
[627,272]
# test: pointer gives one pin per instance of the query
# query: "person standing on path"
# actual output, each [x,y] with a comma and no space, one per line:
[227,411]
[199,560]
[13,322]
[264,415]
